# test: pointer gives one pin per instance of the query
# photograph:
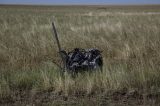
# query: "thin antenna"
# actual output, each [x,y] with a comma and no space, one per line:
[56,36]
[59,46]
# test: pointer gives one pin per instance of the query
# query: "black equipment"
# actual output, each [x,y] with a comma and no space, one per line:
[79,59]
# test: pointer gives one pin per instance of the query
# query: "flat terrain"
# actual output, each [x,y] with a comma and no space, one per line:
[129,37]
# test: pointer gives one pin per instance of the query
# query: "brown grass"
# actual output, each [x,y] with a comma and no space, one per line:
[129,38]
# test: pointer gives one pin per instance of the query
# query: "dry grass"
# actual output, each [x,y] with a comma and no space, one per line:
[129,38]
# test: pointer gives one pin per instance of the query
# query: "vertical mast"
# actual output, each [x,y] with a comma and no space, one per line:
[56,36]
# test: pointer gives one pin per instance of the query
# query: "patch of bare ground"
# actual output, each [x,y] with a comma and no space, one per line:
[122,97]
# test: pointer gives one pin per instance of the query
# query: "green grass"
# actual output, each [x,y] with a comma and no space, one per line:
[128,36]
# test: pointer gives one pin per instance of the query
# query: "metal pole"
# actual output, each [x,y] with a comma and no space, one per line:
[56,36]
[59,46]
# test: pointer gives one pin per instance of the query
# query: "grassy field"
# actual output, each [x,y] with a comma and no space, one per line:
[129,37]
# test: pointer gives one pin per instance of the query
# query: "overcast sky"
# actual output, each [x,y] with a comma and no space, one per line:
[52,2]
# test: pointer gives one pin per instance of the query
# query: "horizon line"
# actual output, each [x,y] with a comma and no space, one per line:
[76,4]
